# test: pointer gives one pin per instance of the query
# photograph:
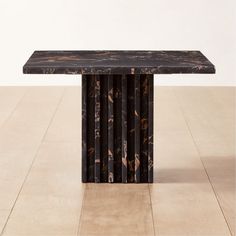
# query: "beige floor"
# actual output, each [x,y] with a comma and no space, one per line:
[40,188]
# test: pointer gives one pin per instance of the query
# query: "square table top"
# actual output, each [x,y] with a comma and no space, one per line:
[117,62]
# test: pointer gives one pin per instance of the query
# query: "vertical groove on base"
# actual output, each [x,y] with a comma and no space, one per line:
[90,79]
[110,112]
[104,129]
[144,128]
[130,128]
[150,129]
[117,129]
[137,128]
[84,130]
[124,127]
[97,129]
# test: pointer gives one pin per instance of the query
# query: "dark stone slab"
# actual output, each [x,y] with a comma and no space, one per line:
[117,62]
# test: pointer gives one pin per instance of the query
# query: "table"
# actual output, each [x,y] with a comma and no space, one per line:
[117,105]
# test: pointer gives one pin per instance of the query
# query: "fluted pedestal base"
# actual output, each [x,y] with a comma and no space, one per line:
[117,128]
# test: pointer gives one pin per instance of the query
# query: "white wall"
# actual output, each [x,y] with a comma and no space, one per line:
[206,25]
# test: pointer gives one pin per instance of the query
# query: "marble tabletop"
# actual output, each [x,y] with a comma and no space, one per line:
[118,62]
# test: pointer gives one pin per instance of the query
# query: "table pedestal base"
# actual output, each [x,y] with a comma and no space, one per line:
[117,128]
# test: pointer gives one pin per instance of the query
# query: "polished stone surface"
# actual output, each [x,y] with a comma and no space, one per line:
[117,62]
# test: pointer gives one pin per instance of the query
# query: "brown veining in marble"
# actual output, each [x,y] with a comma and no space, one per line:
[117,62]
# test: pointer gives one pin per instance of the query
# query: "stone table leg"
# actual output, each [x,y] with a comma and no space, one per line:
[117,128]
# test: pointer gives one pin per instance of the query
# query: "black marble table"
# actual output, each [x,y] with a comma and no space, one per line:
[117,105]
